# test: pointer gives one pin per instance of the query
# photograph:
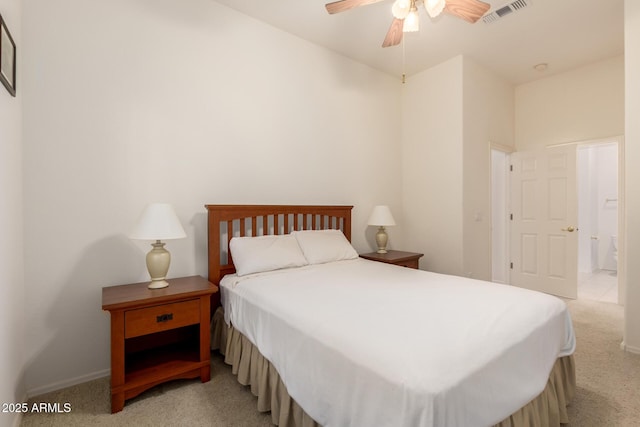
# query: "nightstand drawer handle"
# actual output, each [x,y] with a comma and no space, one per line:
[164,317]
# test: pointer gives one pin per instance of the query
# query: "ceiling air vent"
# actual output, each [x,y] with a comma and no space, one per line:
[505,10]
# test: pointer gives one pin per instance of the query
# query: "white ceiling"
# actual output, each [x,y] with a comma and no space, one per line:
[563,33]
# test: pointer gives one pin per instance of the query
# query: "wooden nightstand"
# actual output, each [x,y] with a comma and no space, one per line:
[404,259]
[158,335]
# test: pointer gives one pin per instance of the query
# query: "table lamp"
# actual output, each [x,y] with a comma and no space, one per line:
[381,217]
[158,222]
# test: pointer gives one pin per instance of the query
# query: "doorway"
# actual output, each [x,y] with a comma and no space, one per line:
[599,263]
[598,213]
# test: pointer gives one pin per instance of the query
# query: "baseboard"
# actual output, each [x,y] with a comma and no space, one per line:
[67,383]
[630,349]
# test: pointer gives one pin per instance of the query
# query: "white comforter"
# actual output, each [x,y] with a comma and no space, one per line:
[360,343]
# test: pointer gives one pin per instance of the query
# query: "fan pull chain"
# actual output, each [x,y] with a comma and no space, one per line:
[404,76]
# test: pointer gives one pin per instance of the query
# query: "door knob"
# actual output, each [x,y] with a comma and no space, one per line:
[570,229]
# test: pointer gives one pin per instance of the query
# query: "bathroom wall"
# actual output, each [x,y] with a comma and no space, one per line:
[598,206]
[607,203]
[587,212]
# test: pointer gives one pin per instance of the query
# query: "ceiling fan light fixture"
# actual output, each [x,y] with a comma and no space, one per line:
[400,9]
[434,7]
[412,21]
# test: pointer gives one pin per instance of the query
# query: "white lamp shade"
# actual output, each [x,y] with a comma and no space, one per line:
[381,216]
[400,8]
[411,23]
[158,222]
[434,7]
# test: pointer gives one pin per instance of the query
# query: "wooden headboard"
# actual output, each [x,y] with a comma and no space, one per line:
[227,221]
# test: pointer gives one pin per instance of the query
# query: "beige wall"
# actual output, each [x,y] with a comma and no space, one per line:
[488,118]
[583,104]
[183,102]
[632,159]
[451,113]
[12,294]
[431,148]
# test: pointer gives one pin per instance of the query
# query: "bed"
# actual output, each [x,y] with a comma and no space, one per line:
[323,337]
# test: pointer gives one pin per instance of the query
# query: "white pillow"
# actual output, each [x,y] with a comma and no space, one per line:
[265,253]
[320,246]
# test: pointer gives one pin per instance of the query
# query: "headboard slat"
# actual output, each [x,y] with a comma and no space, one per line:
[229,236]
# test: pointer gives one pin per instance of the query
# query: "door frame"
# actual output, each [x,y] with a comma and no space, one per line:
[622,279]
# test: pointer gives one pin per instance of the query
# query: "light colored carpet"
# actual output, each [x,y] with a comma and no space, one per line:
[222,402]
[608,379]
[608,392]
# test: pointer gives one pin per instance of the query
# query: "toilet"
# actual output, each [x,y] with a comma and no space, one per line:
[614,249]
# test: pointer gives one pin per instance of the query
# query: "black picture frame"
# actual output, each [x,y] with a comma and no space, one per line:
[7,58]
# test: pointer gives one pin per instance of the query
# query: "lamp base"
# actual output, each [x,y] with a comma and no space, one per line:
[158,284]
[381,240]
[158,260]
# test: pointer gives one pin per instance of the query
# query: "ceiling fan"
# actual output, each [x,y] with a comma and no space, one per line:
[405,13]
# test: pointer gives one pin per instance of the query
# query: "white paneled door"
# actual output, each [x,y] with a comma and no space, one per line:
[544,238]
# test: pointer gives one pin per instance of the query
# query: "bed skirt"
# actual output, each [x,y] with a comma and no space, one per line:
[549,409]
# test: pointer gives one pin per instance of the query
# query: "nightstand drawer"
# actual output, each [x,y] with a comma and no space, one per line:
[161,318]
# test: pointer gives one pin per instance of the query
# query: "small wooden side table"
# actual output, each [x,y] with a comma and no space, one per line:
[404,259]
[158,335]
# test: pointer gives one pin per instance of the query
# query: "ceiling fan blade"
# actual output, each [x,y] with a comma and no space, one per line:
[342,5]
[469,10]
[394,35]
